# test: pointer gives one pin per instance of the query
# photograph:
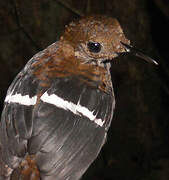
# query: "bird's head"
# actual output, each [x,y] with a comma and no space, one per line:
[96,39]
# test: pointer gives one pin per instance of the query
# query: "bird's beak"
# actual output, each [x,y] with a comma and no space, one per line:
[138,53]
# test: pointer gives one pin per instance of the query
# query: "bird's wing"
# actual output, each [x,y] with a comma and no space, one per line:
[69,128]
[60,132]
[16,120]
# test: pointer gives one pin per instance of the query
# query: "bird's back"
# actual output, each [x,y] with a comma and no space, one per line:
[52,130]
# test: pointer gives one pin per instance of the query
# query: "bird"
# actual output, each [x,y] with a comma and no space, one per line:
[59,108]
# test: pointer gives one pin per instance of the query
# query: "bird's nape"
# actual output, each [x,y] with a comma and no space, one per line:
[136,52]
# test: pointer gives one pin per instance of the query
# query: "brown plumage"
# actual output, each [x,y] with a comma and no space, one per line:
[27,170]
[72,57]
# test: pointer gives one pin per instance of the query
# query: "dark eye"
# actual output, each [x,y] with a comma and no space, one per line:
[94,47]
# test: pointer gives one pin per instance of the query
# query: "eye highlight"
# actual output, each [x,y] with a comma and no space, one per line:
[94,47]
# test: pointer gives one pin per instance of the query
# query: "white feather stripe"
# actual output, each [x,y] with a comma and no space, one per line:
[24,100]
[75,108]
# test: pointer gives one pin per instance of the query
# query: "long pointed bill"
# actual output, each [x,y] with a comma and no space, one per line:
[138,53]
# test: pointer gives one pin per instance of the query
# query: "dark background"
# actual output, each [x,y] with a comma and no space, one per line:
[137,146]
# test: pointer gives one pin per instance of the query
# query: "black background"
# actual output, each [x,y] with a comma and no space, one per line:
[138,140]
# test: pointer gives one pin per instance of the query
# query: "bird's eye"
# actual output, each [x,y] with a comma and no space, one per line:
[94,47]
